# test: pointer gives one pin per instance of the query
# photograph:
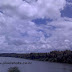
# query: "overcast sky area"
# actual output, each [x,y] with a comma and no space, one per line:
[35,25]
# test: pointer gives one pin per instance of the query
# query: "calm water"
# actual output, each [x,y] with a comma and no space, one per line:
[36,66]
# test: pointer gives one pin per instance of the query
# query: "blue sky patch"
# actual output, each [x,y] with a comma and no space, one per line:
[1,11]
[42,21]
[67,12]
[69,0]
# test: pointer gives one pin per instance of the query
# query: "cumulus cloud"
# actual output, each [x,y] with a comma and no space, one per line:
[18,33]
[42,9]
[33,9]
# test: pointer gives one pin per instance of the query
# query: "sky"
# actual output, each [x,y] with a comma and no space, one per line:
[35,25]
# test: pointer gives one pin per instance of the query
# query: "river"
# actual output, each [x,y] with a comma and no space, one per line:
[25,65]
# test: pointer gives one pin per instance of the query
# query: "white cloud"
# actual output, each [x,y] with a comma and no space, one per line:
[39,9]
[17,29]
[42,9]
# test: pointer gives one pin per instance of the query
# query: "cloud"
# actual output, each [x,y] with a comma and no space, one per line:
[18,32]
[42,9]
[61,36]
[36,9]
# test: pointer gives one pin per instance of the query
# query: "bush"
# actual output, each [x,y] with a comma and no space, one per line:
[13,69]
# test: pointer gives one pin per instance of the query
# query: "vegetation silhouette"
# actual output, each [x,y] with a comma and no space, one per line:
[13,69]
[53,56]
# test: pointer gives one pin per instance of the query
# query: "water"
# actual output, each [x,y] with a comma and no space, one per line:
[34,66]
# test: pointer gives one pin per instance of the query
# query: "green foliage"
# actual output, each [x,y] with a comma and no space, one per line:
[53,56]
[13,69]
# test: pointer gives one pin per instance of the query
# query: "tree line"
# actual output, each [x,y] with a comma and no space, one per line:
[53,56]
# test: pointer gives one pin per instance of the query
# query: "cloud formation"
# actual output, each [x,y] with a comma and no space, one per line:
[33,9]
[18,33]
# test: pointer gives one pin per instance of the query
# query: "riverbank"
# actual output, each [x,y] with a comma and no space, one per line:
[53,56]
